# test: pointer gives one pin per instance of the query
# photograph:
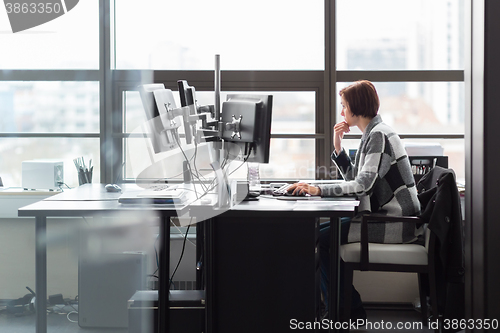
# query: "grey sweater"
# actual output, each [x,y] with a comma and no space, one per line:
[381,176]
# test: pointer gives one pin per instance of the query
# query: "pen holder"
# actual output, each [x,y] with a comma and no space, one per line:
[84,170]
[84,177]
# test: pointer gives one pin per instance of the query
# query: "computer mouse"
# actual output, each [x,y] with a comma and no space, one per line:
[253,194]
[113,188]
[290,194]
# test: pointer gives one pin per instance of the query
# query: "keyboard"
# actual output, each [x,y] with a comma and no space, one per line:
[161,187]
[162,191]
[155,194]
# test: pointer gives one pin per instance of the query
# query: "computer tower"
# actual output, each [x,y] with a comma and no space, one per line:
[105,284]
[186,308]
[42,174]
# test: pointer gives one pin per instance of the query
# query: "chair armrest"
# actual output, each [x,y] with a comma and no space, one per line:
[364,255]
[386,218]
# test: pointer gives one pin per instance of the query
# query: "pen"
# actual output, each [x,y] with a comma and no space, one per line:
[31,291]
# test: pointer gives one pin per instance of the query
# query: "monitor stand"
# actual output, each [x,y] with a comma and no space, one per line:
[222,185]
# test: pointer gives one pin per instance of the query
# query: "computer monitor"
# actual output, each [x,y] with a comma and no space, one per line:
[187,96]
[245,120]
[247,123]
[187,93]
[148,99]
[163,133]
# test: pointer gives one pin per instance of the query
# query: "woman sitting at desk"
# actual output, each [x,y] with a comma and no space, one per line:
[381,176]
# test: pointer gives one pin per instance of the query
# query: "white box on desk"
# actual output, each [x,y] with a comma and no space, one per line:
[42,174]
[424,149]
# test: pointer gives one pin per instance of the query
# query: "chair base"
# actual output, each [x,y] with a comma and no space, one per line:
[426,287]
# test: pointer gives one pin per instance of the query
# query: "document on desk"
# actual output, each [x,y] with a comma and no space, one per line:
[314,198]
[322,181]
[325,204]
[176,196]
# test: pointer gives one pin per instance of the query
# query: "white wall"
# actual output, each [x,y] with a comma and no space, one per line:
[17,259]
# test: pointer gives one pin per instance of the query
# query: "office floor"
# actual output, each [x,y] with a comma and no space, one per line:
[56,323]
[387,320]
[60,324]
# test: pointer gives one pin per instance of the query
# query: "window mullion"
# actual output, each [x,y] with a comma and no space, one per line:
[402,76]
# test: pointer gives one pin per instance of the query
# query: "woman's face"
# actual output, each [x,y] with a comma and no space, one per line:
[346,113]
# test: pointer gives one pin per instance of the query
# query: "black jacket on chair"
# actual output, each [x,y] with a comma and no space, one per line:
[440,201]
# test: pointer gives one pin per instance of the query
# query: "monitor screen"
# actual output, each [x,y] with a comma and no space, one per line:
[247,123]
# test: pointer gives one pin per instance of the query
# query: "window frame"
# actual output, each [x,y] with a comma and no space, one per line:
[112,84]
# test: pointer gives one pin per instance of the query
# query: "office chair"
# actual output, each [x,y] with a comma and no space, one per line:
[425,260]
[410,258]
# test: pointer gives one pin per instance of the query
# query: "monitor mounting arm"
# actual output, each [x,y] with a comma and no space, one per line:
[190,116]
[234,126]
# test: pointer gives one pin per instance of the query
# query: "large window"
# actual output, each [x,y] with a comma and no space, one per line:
[49,107]
[68,42]
[67,90]
[184,35]
[419,107]
[48,120]
[399,34]
[413,51]
[50,93]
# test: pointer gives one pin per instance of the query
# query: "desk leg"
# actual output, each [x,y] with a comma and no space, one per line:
[333,288]
[200,245]
[208,271]
[164,286]
[41,273]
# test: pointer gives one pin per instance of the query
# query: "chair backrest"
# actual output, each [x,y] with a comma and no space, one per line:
[427,237]
[426,183]
[429,180]
[443,218]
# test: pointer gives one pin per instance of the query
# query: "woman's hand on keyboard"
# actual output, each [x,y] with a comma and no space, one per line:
[303,189]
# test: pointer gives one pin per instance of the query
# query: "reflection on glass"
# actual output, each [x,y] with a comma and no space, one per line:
[70,41]
[65,149]
[419,107]
[396,34]
[262,35]
[42,106]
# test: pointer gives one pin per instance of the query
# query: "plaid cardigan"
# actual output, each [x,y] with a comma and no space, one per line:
[381,176]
